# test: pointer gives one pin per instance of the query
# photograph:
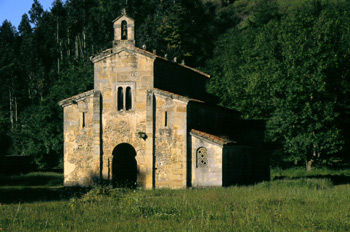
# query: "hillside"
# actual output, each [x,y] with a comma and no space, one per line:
[282,61]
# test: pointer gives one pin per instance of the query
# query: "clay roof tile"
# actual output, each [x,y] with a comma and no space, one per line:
[220,139]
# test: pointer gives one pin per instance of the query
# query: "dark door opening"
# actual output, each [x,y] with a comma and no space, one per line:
[124,166]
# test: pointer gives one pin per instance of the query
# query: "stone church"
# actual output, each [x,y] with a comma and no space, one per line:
[150,121]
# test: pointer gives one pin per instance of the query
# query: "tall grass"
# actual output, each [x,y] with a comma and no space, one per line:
[281,205]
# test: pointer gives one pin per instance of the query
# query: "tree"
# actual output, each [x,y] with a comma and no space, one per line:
[59,13]
[8,71]
[284,71]
[8,90]
[27,58]
[36,12]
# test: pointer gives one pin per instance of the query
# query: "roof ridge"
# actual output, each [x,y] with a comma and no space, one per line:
[214,138]
[74,98]
[110,51]
[183,65]
[178,95]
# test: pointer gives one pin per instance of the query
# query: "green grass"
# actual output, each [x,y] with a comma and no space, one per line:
[341,176]
[295,204]
[33,179]
[299,172]
[35,186]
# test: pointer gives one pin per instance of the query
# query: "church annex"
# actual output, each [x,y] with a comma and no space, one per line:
[149,120]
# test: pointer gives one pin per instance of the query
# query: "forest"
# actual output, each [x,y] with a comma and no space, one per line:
[285,62]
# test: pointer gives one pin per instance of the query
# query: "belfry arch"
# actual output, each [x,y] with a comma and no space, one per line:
[124,166]
[124,30]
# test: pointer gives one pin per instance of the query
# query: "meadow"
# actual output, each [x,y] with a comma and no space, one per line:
[294,200]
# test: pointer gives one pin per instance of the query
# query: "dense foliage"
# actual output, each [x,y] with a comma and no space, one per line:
[286,62]
[291,70]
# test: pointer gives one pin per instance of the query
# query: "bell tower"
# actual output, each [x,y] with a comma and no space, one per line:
[124,31]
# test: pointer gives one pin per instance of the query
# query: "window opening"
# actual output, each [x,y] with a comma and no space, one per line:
[166,118]
[202,157]
[124,31]
[83,124]
[128,100]
[120,99]
[83,120]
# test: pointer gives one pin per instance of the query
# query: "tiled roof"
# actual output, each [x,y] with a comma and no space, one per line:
[222,140]
[75,98]
[123,15]
[109,52]
[185,66]
[175,95]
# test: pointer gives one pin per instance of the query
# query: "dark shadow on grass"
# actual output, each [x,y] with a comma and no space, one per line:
[35,187]
[47,179]
[336,179]
[32,181]
[14,195]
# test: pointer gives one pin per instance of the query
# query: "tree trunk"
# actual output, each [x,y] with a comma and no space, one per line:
[81,44]
[68,44]
[11,109]
[76,47]
[16,110]
[315,155]
[309,164]
[84,41]
[58,46]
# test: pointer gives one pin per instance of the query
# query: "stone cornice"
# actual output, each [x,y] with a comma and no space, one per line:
[109,52]
[76,98]
[175,96]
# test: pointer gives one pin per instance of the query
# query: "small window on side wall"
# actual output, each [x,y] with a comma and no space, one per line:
[202,157]
[165,119]
[83,122]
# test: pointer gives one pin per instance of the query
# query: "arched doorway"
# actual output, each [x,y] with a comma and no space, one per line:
[124,166]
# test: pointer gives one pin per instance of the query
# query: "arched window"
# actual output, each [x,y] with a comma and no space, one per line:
[202,157]
[124,31]
[128,100]
[120,99]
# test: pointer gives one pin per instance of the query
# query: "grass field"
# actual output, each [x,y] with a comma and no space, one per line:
[290,202]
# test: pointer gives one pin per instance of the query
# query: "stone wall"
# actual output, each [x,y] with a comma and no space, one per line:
[170,142]
[250,160]
[126,68]
[211,174]
[80,167]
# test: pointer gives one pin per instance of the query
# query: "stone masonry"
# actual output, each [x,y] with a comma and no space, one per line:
[150,120]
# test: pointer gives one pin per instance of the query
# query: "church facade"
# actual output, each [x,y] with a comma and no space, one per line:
[149,121]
